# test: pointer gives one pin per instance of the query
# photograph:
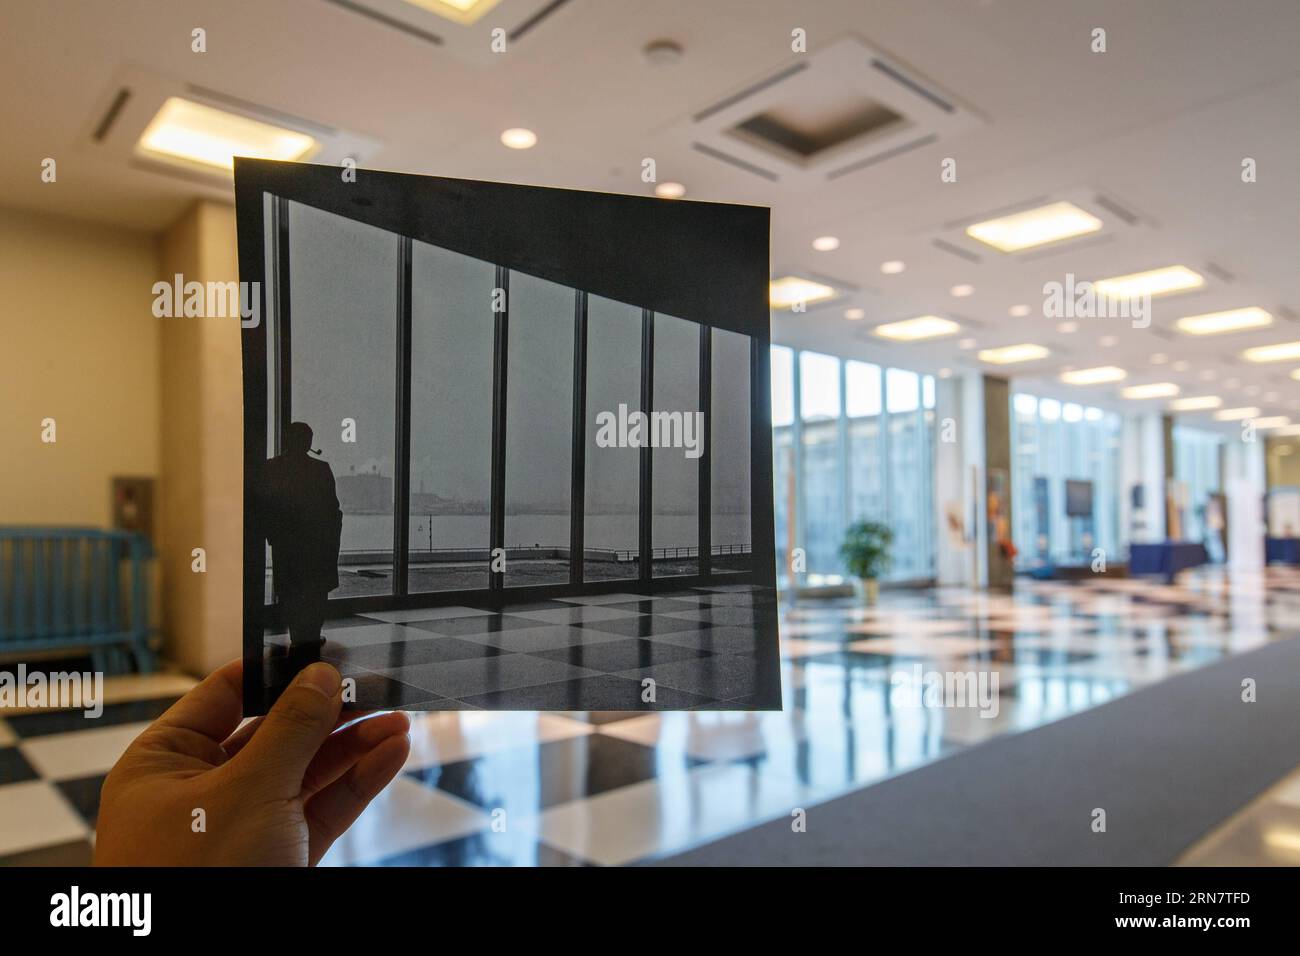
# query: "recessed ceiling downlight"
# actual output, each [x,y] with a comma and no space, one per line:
[519,138]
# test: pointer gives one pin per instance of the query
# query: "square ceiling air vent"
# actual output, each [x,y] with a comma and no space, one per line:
[835,111]
[802,130]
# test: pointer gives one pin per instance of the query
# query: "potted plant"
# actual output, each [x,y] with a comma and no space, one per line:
[866,554]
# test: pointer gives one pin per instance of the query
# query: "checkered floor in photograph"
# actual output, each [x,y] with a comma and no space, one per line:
[582,787]
[704,648]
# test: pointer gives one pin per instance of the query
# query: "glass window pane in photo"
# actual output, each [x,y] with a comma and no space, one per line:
[612,507]
[343,339]
[452,335]
[731,545]
[675,481]
[539,431]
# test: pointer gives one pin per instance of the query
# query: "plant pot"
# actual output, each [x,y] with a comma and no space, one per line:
[869,590]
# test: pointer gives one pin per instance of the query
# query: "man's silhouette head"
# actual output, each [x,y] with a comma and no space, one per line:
[297,438]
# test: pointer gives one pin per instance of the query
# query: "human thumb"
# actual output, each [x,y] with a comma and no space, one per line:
[282,747]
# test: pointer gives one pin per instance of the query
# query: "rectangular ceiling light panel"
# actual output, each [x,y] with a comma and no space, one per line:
[914,330]
[1232,320]
[1011,354]
[1035,227]
[189,132]
[1154,282]
[789,291]
[457,11]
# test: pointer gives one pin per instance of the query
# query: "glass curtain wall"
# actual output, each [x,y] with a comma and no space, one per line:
[851,442]
[1054,442]
[822,478]
[451,399]
[613,487]
[539,411]
[1196,465]
[729,452]
[784,458]
[675,477]
[343,385]
[393,350]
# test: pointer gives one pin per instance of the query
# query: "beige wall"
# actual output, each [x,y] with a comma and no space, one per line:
[80,345]
[202,450]
[131,394]
[1283,462]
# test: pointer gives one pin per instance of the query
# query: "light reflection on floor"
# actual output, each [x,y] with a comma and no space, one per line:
[616,788]
[556,788]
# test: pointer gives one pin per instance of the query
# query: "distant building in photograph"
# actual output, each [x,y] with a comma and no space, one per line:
[365,494]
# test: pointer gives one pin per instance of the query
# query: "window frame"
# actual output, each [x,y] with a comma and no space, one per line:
[274,337]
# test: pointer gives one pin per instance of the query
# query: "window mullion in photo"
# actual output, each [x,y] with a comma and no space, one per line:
[886,452]
[842,449]
[796,519]
[646,519]
[578,440]
[402,430]
[705,512]
[284,410]
[497,521]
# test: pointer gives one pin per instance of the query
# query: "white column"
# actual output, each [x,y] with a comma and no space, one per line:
[1142,462]
[959,417]
[1243,467]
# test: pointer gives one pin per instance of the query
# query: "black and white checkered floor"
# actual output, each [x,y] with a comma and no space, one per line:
[709,648]
[580,787]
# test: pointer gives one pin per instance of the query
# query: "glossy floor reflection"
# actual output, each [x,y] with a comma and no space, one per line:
[582,788]
[1266,833]
[617,788]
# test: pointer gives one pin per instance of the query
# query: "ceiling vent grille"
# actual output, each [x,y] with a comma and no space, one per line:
[467,38]
[1220,273]
[105,124]
[394,23]
[957,251]
[1115,208]
[841,110]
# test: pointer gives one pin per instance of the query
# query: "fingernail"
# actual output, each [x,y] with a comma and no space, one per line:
[322,677]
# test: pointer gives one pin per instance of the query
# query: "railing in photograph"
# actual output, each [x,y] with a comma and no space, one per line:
[551,551]
[73,589]
[668,554]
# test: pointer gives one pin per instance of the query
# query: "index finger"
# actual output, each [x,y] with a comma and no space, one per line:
[235,742]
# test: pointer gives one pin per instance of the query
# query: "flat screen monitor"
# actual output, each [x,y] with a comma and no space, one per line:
[1078,499]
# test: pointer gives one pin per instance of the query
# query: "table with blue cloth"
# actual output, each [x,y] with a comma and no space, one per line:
[1282,550]
[1165,558]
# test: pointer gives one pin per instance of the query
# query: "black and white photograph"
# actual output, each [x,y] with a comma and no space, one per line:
[483,488]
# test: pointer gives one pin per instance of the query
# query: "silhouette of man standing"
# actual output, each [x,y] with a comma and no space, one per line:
[303,525]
